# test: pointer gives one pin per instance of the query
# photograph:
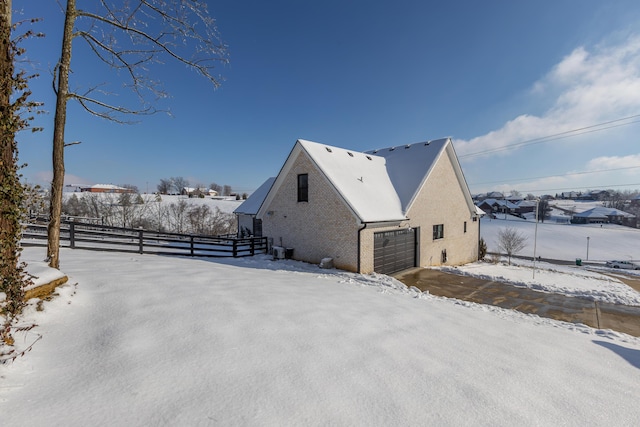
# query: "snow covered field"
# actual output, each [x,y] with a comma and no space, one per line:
[147,340]
[568,241]
[565,242]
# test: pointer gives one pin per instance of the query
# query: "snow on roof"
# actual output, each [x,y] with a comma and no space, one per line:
[499,202]
[108,187]
[409,165]
[602,212]
[254,201]
[360,178]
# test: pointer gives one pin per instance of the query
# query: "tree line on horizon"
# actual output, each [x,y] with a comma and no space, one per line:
[176,185]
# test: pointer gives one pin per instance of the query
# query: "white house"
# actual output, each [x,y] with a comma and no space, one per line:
[384,210]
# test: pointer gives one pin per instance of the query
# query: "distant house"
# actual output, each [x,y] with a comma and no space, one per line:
[571,195]
[602,215]
[248,224]
[497,206]
[595,195]
[106,188]
[198,192]
[383,211]
[525,206]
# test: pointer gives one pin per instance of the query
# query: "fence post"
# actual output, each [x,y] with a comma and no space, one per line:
[191,244]
[140,240]
[72,235]
[235,248]
[253,246]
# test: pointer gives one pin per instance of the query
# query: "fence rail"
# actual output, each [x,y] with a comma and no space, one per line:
[76,235]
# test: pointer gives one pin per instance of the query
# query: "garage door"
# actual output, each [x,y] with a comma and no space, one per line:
[394,251]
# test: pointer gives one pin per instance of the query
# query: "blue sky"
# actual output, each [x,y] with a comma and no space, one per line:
[370,74]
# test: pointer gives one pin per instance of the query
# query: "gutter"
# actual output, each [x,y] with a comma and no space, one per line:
[360,230]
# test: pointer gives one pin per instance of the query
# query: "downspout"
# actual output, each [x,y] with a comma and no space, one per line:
[479,236]
[359,241]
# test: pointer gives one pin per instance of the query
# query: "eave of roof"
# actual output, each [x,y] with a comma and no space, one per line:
[252,205]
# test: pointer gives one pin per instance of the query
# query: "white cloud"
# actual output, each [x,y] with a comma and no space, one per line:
[587,87]
[45,177]
[616,162]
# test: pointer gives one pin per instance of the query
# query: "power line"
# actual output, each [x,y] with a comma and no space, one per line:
[557,176]
[561,135]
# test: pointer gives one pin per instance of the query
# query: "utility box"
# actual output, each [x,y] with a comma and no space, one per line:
[326,263]
[278,252]
[288,253]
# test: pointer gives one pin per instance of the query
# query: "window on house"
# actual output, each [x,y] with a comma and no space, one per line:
[438,231]
[465,226]
[303,187]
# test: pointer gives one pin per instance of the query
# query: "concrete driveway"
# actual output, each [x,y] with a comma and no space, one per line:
[555,306]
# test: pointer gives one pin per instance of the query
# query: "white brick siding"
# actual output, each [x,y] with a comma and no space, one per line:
[322,227]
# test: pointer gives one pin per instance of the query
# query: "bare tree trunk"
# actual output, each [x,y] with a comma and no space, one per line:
[9,199]
[62,95]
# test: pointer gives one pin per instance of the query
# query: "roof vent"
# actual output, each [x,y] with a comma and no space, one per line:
[427,143]
[328,149]
[392,148]
[350,154]
[406,146]
[375,151]
[369,157]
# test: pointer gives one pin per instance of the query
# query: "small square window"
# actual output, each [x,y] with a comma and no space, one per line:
[303,187]
[438,231]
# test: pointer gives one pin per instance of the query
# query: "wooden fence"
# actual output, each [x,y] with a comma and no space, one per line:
[76,235]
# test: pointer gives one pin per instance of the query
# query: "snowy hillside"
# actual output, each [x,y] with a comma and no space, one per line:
[260,342]
[142,340]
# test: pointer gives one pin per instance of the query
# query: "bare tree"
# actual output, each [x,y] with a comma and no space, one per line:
[543,210]
[129,37]
[226,190]
[179,183]
[511,241]
[618,199]
[198,216]
[132,188]
[14,94]
[127,208]
[177,214]
[159,213]
[216,187]
[34,201]
[165,186]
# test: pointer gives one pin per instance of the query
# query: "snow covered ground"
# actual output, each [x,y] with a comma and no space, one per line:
[568,241]
[565,242]
[225,204]
[148,340]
